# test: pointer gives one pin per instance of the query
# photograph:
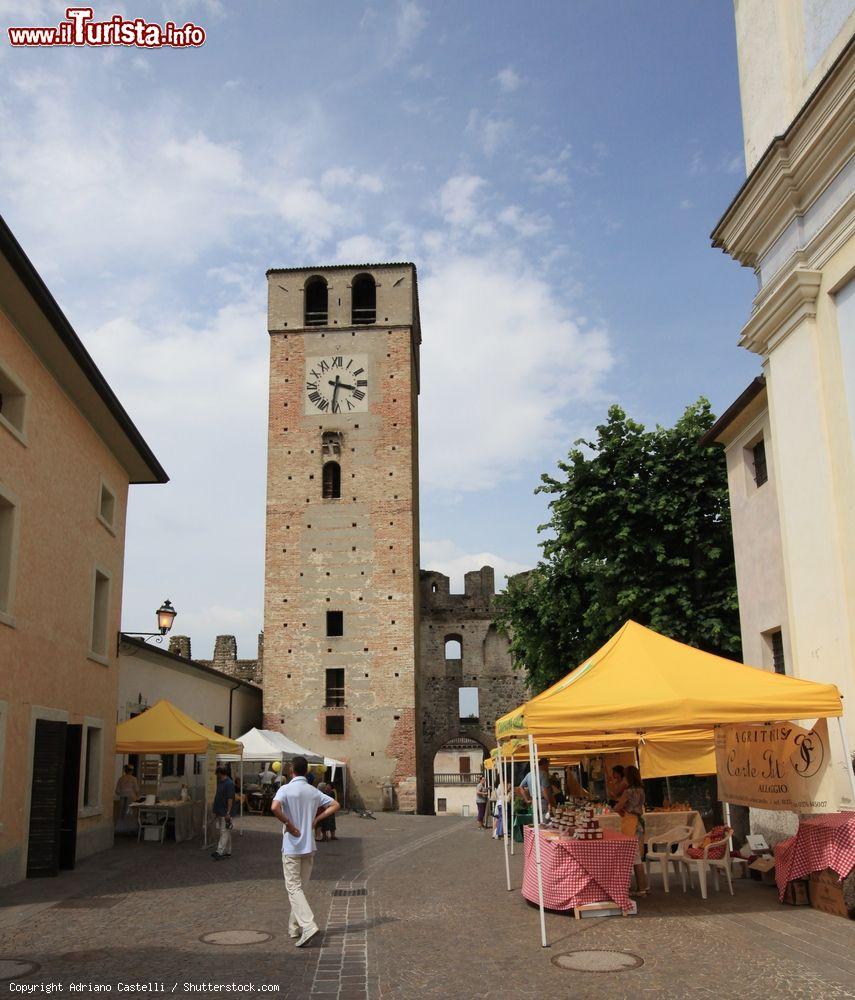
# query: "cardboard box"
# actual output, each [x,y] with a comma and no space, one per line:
[764,870]
[826,893]
[796,893]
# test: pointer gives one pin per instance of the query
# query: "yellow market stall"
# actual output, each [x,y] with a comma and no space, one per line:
[164,728]
[667,697]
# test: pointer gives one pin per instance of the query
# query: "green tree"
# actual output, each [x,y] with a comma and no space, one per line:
[639,528]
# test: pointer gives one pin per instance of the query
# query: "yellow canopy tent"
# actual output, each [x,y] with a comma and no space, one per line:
[641,681]
[164,728]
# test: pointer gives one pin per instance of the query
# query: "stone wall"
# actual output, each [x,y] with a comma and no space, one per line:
[225,657]
[485,664]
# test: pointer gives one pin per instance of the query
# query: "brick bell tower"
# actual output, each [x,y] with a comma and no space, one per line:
[341,593]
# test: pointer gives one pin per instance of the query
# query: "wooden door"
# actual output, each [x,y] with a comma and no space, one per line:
[70,796]
[465,764]
[46,799]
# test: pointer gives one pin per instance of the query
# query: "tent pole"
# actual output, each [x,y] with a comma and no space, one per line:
[535,814]
[504,788]
[668,787]
[205,813]
[511,809]
[241,794]
[847,757]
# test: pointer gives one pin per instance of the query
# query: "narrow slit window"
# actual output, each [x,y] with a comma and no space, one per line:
[100,613]
[8,535]
[92,768]
[761,472]
[332,481]
[777,642]
[13,404]
[107,506]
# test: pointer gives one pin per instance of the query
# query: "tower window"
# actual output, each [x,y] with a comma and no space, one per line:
[776,640]
[331,444]
[335,623]
[335,688]
[761,473]
[364,299]
[454,647]
[316,301]
[335,725]
[332,481]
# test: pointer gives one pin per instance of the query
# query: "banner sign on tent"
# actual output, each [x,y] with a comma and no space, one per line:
[781,766]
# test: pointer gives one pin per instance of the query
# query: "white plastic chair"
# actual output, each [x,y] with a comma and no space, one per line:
[154,820]
[705,863]
[660,850]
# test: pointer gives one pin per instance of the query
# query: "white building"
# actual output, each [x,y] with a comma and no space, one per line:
[789,439]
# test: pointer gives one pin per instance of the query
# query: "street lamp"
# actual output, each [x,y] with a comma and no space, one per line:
[165,617]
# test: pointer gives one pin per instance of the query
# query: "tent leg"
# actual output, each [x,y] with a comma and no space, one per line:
[504,787]
[847,757]
[536,817]
[205,813]
[241,796]
[511,807]
[668,787]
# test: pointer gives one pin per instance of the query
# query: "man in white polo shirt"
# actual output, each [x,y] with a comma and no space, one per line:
[297,805]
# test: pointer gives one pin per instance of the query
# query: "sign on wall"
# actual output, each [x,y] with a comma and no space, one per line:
[781,766]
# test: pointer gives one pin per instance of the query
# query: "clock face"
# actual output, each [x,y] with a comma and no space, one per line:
[337,383]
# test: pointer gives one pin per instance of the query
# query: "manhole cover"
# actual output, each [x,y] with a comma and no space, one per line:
[14,968]
[236,937]
[350,892]
[90,903]
[598,961]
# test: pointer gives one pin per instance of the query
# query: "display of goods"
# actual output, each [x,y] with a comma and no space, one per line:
[673,807]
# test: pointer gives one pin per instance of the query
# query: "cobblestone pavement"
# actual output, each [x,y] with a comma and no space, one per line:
[422,910]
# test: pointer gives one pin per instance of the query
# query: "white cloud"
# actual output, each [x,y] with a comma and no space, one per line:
[457,198]
[490,131]
[525,224]
[410,22]
[550,176]
[508,79]
[361,249]
[446,557]
[686,203]
[347,177]
[506,361]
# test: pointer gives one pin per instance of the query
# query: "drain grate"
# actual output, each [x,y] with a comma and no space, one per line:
[350,892]
[90,903]
[591,960]
[236,937]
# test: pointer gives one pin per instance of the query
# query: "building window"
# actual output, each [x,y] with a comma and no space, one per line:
[468,704]
[335,688]
[8,553]
[335,725]
[776,641]
[13,404]
[92,768]
[316,301]
[218,729]
[100,614]
[758,454]
[454,647]
[332,481]
[331,444]
[441,805]
[335,623]
[107,507]
[364,299]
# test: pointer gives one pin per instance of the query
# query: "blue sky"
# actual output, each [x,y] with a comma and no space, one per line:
[554,170]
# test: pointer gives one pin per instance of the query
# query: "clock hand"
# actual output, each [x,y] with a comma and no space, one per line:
[342,385]
[336,386]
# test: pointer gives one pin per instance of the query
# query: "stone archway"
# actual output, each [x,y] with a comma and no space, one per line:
[455,740]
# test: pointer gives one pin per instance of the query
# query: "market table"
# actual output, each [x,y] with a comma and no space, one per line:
[657,823]
[826,841]
[185,817]
[578,872]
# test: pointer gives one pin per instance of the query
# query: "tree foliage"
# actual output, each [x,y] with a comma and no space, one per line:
[639,528]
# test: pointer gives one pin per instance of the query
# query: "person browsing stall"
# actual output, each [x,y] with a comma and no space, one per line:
[547,799]
[224,800]
[300,808]
[630,808]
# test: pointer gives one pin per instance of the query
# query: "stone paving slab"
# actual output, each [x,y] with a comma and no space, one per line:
[437,921]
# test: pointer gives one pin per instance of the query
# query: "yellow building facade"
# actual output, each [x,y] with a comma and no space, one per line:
[68,452]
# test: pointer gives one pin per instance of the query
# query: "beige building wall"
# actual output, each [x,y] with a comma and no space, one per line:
[357,554]
[55,462]
[792,222]
[457,799]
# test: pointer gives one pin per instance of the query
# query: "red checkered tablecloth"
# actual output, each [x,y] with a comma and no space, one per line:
[576,872]
[826,841]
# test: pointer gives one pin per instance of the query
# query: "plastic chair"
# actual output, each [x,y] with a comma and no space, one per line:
[705,863]
[153,820]
[660,850]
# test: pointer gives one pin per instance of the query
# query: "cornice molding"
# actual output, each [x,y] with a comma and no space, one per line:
[781,311]
[795,169]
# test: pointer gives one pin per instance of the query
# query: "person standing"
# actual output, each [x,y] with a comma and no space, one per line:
[481,795]
[630,808]
[547,799]
[300,808]
[224,800]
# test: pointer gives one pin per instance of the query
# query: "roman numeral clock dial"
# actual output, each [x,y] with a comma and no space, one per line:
[337,383]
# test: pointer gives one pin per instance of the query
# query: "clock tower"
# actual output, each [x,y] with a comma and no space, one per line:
[342,552]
